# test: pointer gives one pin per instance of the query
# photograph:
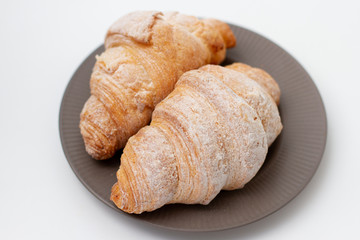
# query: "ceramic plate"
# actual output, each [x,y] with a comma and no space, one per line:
[291,162]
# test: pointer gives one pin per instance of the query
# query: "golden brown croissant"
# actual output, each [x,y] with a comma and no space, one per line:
[211,133]
[146,53]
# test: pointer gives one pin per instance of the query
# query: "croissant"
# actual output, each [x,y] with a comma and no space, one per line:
[146,53]
[211,133]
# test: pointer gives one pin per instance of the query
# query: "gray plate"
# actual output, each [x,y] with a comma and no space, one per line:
[291,162]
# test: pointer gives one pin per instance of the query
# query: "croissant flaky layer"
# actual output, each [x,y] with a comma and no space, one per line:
[211,133]
[146,52]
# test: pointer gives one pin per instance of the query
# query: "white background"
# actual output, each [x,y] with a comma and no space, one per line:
[43,42]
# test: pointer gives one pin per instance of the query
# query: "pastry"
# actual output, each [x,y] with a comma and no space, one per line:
[146,53]
[212,132]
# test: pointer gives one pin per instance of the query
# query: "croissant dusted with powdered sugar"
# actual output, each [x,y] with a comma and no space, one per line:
[211,133]
[146,52]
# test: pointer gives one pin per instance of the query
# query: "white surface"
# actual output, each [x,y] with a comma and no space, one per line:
[43,42]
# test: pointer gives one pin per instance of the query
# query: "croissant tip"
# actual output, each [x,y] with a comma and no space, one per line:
[98,130]
[122,196]
[115,196]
